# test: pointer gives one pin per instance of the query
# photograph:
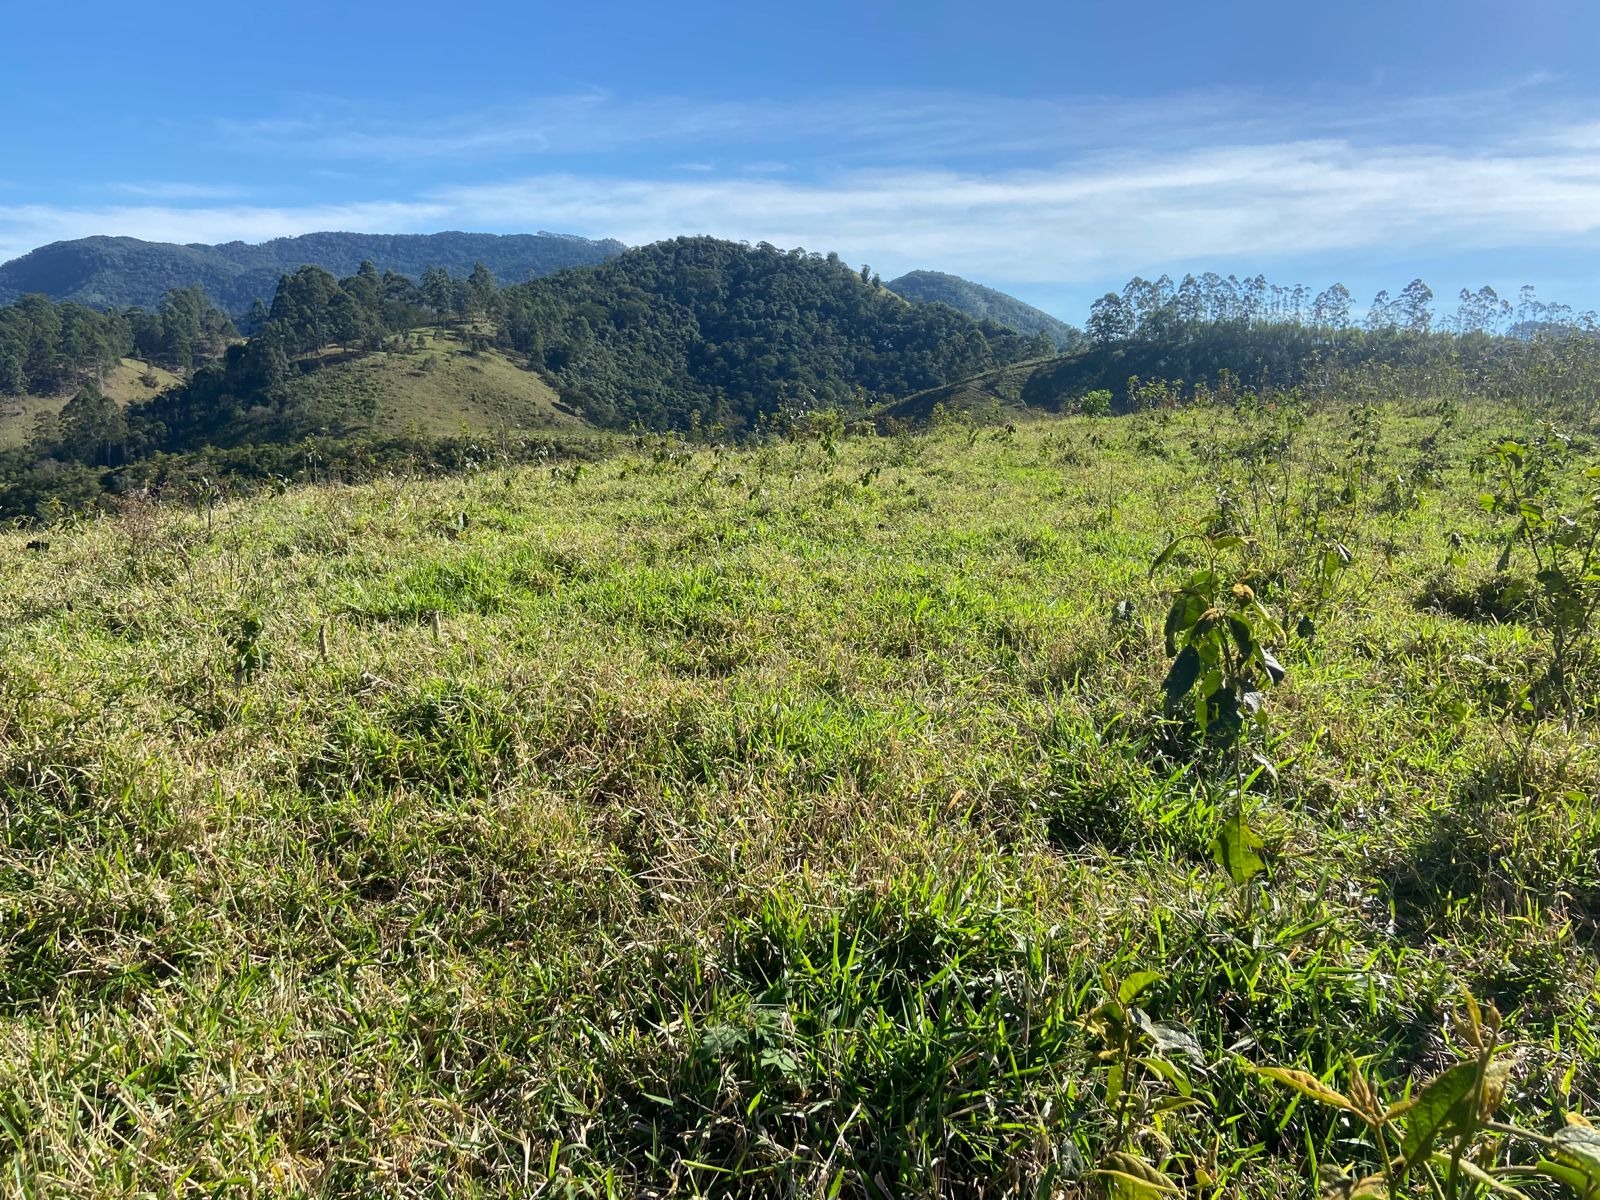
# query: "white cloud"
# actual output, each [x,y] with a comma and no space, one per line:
[165,190]
[1086,220]
[896,126]
[1233,194]
[24,227]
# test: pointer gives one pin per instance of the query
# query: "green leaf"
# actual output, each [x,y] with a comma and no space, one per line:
[1580,1181]
[1180,678]
[1504,560]
[1235,850]
[1443,1106]
[1169,1037]
[1273,666]
[1131,1178]
[1169,1072]
[1578,1146]
[1136,985]
[1166,555]
[1224,719]
[1307,1085]
[1185,611]
[1243,636]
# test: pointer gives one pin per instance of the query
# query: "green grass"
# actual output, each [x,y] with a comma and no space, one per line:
[751,823]
[1002,390]
[441,388]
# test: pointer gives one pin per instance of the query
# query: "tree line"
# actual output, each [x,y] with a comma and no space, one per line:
[48,347]
[692,334]
[1153,309]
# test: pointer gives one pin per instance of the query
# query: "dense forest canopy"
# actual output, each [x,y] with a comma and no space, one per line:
[46,347]
[713,332]
[120,272]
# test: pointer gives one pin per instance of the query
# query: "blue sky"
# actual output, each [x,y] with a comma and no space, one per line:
[1049,149]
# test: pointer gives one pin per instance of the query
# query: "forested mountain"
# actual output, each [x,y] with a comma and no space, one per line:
[985,304]
[689,334]
[697,330]
[120,272]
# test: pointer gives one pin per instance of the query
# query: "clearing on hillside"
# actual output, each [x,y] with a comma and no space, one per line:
[129,382]
[437,385]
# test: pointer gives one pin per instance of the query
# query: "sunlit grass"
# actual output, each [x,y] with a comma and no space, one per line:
[745,823]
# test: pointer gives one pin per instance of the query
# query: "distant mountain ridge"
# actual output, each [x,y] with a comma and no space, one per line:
[118,272]
[984,304]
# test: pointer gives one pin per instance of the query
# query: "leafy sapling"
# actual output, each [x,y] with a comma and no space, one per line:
[1445,1132]
[1149,1068]
[1553,501]
[1216,634]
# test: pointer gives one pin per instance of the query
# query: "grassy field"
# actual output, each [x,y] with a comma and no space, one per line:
[127,383]
[777,822]
[440,388]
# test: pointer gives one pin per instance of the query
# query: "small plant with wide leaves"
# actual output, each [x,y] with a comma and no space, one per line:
[1553,499]
[1444,1135]
[1217,633]
[1149,1068]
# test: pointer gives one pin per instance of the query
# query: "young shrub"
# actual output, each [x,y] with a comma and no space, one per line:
[1216,633]
[1552,499]
[1096,403]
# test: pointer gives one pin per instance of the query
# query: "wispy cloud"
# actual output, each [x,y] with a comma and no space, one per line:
[892,126]
[1085,220]
[162,190]
[1221,181]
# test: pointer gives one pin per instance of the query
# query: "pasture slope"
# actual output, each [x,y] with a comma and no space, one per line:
[799,820]
[129,382]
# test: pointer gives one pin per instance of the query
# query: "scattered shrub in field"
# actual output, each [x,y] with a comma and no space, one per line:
[1220,667]
[1096,403]
[1553,498]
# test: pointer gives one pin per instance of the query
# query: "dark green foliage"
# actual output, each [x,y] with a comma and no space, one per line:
[1550,493]
[697,329]
[107,272]
[985,304]
[45,347]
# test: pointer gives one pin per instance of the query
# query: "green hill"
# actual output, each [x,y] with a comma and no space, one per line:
[984,304]
[690,333]
[709,332]
[439,387]
[119,272]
